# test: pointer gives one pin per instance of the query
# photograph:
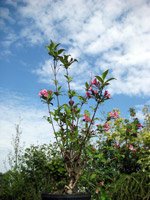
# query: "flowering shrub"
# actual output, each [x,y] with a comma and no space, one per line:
[76,126]
[117,153]
[122,138]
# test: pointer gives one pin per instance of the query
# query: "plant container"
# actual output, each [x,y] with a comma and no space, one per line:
[46,196]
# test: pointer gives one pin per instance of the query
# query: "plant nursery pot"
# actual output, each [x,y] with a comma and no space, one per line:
[46,196]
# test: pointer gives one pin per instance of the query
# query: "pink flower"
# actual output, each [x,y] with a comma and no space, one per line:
[94,82]
[106,94]
[87,118]
[43,93]
[90,88]
[88,94]
[95,92]
[114,114]
[131,147]
[106,127]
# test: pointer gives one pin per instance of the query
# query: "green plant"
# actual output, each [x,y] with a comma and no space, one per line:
[42,168]
[76,126]
[120,153]
[131,187]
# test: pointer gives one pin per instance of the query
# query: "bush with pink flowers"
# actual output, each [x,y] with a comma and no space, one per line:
[76,125]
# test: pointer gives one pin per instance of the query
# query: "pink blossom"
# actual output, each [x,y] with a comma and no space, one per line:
[87,118]
[94,82]
[90,88]
[131,147]
[106,94]
[44,93]
[114,114]
[106,127]
[88,94]
[95,92]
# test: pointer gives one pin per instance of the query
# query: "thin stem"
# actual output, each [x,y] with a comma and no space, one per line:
[95,110]
[69,89]
[56,85]
[82,106]
[51,120]
[88,131]
[55,133]
[70,97]
[56,82]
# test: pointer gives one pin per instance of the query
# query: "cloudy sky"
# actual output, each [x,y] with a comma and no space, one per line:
[101,34]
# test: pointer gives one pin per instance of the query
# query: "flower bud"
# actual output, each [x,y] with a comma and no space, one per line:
[88,94]
[71,102]
[106,94]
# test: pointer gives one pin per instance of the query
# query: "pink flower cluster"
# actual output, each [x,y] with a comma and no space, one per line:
[106,94]
[86,118]
[94,88]
[114,114]
[45,93]
[96,84]
[106,127]
[88,94]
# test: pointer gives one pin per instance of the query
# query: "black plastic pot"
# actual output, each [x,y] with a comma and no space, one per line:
[46,196]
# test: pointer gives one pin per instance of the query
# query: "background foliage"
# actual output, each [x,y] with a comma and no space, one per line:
[118,167]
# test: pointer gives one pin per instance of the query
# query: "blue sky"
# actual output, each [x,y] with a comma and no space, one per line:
[101,34]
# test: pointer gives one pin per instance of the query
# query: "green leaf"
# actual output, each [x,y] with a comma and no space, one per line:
[72,93]
[99,79]
[56,45]
[110,79]
[87,113]
[75,60]
[59,88]
[66,77]
[60,51]
[93,176]
[69,78]
[105,84]
[52,45]
[87,85]
[105,74]
[81,98]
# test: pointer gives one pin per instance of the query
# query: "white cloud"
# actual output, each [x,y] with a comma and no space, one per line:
[79,74]
[140,110]
[9,39]
[35,129]
[12,2]
[108,34]
[5,15]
